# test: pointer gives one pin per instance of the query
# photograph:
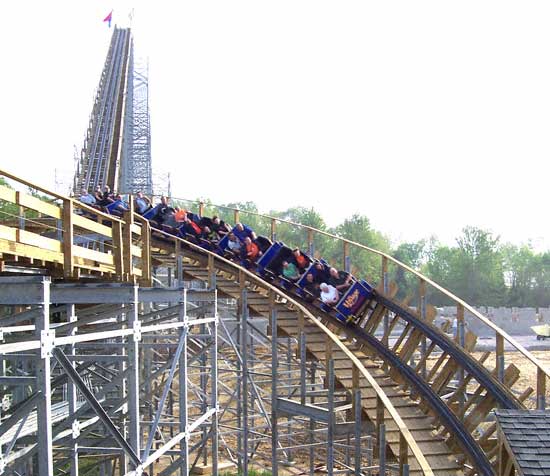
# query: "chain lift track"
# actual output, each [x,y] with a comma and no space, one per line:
[117,148]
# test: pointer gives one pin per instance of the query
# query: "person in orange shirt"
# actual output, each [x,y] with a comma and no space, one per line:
[251,250]
[181,215]
[300,259]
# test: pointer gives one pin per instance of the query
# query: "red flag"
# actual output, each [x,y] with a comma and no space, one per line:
[108,18]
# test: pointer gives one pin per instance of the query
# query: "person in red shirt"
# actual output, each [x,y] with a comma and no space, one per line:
[189,229]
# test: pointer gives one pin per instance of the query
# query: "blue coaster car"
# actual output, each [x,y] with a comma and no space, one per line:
[194,217]
[223,242]
[116,207]
[352,302]
[276,267]
[266,259]
[222,245]
[263,243]
[149,214]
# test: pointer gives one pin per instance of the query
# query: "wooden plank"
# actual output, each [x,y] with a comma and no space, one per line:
[7,194]
[92,255]
[416,336]
[8,233]
[93,266]
[34,203]
[445,375]
[541,389]
[136,229]
[28,238]
[374,319]
[20,249]
[136,251]
[461,389]
[137,272]
[393,323]
[91,225]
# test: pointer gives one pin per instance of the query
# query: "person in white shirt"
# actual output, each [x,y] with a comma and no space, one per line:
[86,198]
[233,244]
[329,294]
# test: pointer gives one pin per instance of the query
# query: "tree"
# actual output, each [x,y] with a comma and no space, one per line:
[480,267]
[298,236]
[364,263]
[519,269]
[260,225]
[473,270]
[414,256]
[541,280]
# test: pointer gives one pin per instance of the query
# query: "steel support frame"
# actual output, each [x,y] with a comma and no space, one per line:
[242,364]
[49,354]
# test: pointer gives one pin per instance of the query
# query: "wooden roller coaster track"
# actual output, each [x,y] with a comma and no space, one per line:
[435,409]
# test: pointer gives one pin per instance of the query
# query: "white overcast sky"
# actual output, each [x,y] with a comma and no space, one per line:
[426,116]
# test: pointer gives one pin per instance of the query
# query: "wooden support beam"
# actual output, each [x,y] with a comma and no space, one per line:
[301,321]
[447,372]
[68,237]
[328,351]
[439,362]
[490,431]
[461,389]
[403,453]
[384,274]
[374,319]
[379,414]
[310,243]
[211,272]
[118,245]
[273,229]
[147,278]
[408,328]
[460,321]
[486,404]
[541,389]
[345,256]
[386,337]
[499,355]
[416,337]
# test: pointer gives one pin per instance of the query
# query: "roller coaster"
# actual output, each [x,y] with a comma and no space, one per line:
[129,349]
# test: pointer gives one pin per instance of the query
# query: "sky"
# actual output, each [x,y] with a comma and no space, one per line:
[424,116]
